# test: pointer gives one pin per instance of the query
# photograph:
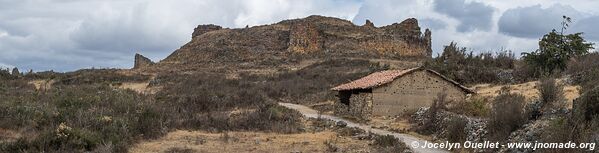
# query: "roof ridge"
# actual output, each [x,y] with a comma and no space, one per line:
[383,77]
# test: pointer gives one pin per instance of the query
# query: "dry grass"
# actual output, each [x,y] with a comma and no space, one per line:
[392,124]
[250,142]
[7,135]
[528,90]
[42,84]
[139,87]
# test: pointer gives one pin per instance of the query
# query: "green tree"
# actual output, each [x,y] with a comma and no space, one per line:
[555,49]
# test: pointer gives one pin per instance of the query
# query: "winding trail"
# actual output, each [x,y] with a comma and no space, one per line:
[407,139]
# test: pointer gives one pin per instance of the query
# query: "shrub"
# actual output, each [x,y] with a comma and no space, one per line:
[506,116]
[475,106]
[586,108]
[388,143]
[559,131]
[580,127]
[93,76]
[430,122]
[180,150]
[469,68]
[79,118]
[551,94]
[456,129]
[584,71]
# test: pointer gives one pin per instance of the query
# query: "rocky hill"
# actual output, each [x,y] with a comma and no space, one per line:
[291,41]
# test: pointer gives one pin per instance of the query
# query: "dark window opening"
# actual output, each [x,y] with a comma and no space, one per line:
[345,95]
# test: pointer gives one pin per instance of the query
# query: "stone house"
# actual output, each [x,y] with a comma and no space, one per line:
[392,92]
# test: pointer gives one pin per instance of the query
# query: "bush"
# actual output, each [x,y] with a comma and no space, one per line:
[586,108]
[475,106]
[551,94]
[506,116]
[430,122]
[469,68]
[94,76]
[205,101]
[456,129]
[79,118]
[584,71]
[388,143]
[580,127]
[180,150]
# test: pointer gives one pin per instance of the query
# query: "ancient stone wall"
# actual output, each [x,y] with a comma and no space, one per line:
[142,62]
[312,37]
[304,38]
[201,29]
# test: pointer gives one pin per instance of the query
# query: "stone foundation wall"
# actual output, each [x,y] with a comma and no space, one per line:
[360,106]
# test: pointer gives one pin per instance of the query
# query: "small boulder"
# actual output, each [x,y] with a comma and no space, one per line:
[341,124]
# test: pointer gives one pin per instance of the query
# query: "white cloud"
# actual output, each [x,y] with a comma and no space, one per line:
[6,66]
[472,15]
[68,35]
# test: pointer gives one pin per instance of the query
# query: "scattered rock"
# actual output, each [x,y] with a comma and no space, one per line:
[341,124]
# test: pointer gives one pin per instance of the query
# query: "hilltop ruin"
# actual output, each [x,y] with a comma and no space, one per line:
[311,37]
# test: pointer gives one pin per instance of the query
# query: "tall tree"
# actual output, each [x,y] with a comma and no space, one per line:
[555,49]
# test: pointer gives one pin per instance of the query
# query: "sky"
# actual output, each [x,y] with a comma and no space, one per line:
[66,35]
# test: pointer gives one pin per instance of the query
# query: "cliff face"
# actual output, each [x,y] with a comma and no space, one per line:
[314,36]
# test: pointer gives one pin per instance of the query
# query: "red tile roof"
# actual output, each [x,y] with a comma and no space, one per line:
[383,77]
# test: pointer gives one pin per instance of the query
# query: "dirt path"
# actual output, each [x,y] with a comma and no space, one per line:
[407,139]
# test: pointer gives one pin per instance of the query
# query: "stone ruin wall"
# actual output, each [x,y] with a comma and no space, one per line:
[397,40]
[142,62]
[304,38]
[202,29]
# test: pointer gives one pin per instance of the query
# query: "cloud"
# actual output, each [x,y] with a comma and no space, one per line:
[472,15]
[66,35]
[386,12]
[5,66]
[434,24]
[534,21]
[588,26]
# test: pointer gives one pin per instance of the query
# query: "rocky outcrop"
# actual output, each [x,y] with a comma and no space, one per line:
[310,37]
[202,29]
[369,24]
[142,62]
[428,42]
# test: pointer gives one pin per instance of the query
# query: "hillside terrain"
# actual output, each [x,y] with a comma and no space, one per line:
[291,42]
[221,92]
[222,81]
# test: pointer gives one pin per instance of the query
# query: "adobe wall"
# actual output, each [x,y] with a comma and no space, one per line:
[410,92]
